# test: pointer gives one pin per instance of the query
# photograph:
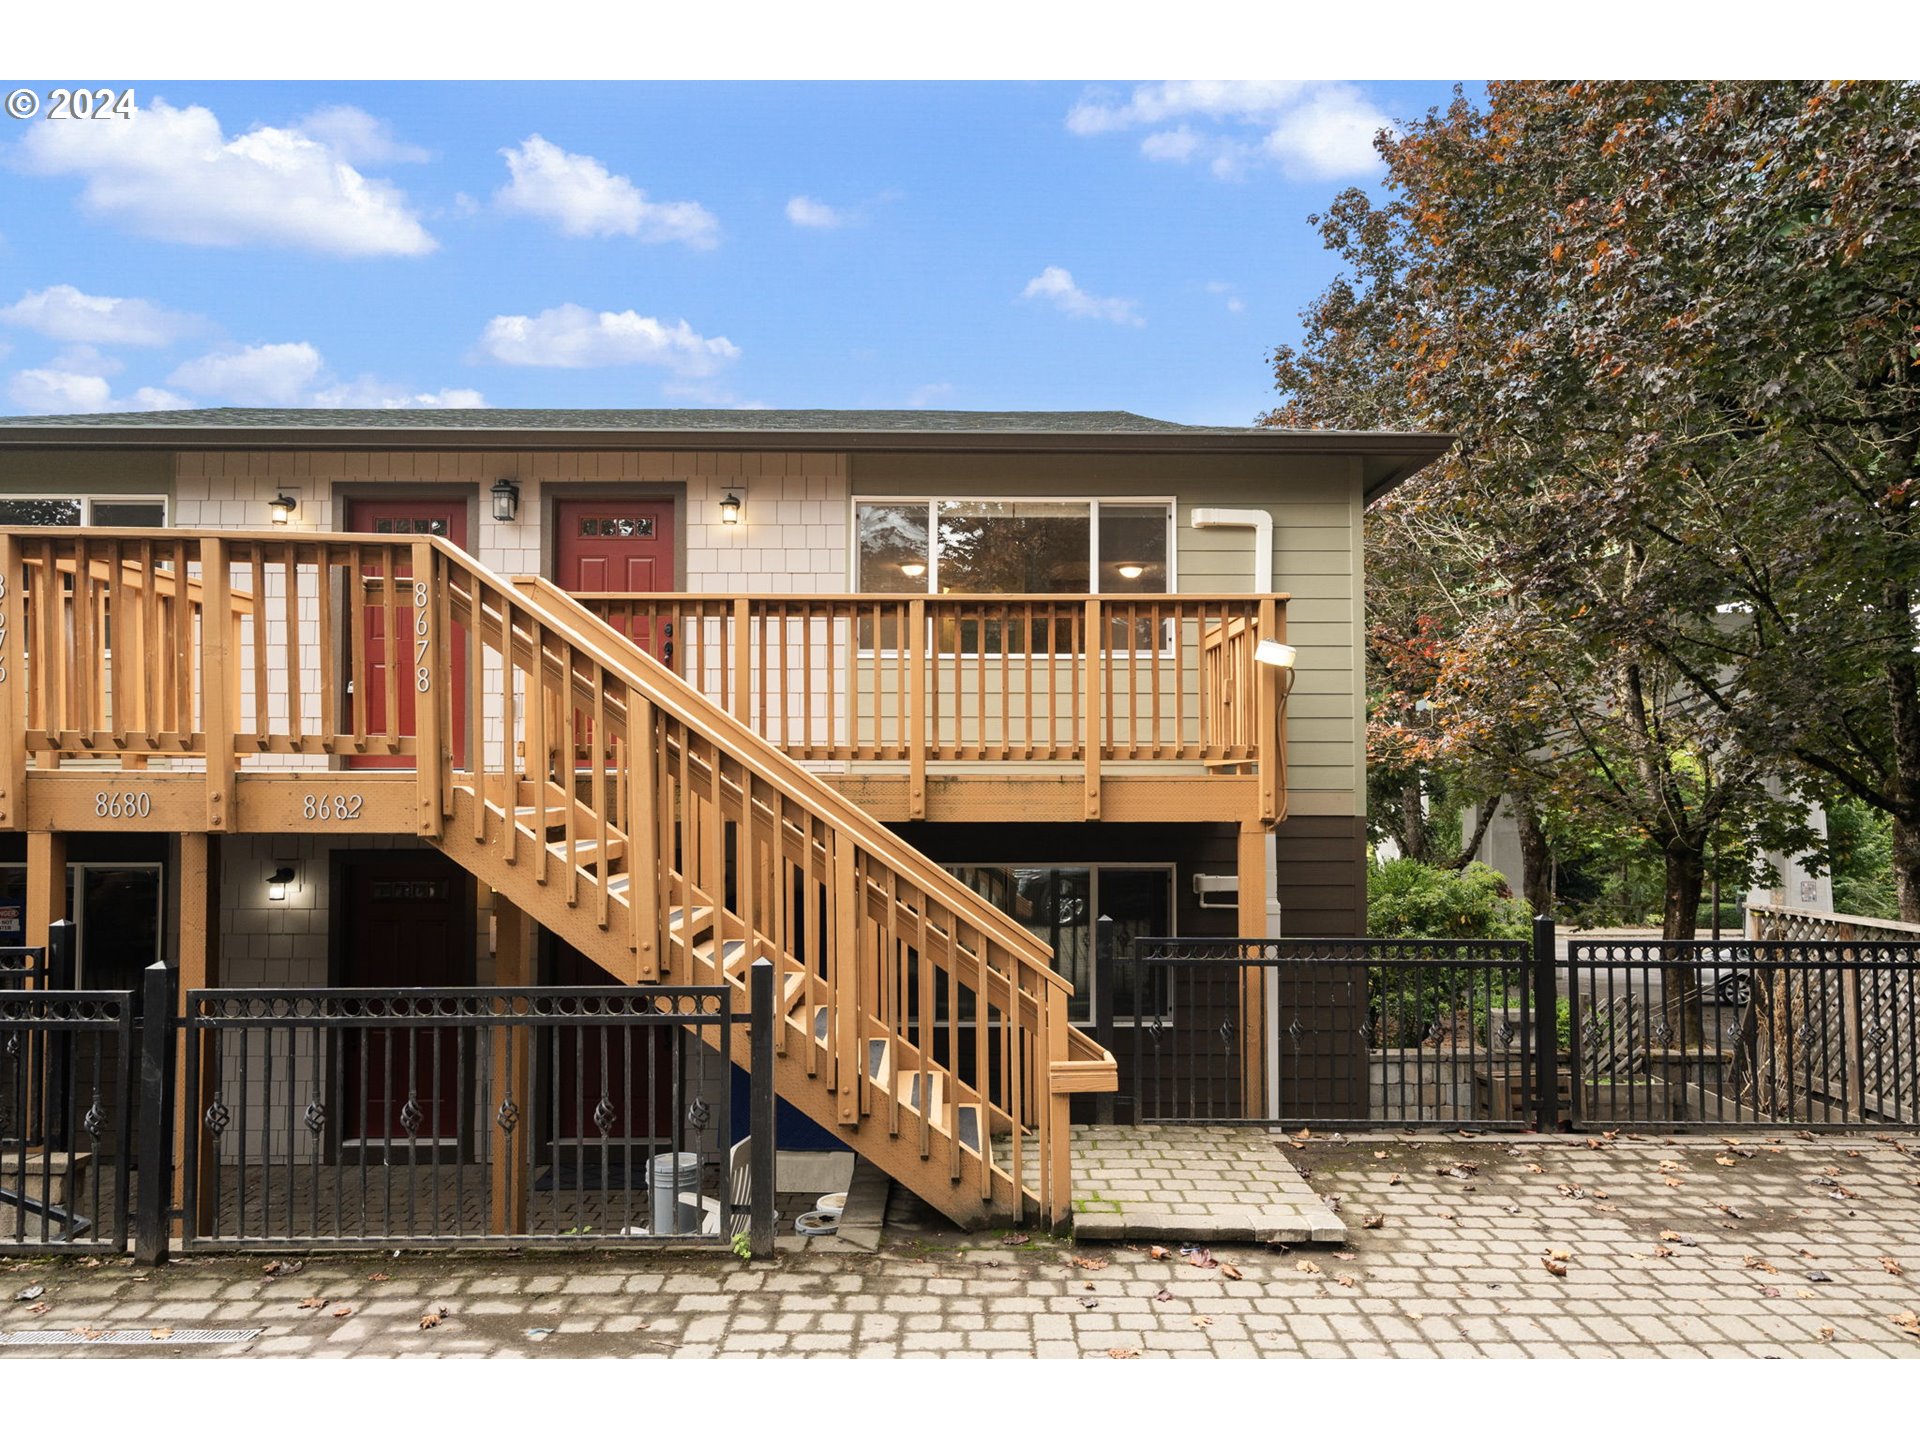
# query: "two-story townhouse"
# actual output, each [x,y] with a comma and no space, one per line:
[306,698]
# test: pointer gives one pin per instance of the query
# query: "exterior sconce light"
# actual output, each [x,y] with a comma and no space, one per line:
[1281,657]
[280,509]
[730,509]
[1132,572]
[278,881]
[913,570]
[506,501]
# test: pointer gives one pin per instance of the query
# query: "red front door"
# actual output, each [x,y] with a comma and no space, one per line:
[396,520]
[408,923]
[619,547]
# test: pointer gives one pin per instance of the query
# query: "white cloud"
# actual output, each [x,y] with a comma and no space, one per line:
[359,138]
[584,198]
[1057,286]
[173,174]
[1099,112]
[812,214]
[1224,289]
[63,313]
[51,391]
[369,393]
[85,360]
[574,337]
[255,375]
[925,397]
[1311,131]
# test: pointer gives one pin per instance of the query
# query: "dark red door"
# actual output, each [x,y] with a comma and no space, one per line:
[408,924]
[622,1075]
[396,520]
[622,547]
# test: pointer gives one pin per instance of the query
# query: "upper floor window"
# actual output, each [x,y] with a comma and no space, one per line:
[128,512]
[1013,547]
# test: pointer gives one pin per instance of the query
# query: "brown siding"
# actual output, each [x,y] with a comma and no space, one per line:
[1322,883]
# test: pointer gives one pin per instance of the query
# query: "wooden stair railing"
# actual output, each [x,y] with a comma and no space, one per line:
[586,783]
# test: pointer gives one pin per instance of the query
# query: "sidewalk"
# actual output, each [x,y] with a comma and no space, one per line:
[1777,1247]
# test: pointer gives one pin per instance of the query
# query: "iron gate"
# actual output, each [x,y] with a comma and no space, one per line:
[1500,1034]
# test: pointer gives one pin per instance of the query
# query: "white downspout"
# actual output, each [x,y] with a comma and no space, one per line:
[1207,517]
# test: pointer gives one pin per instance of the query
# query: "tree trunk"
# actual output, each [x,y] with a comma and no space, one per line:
[1686,869]
[1536,864]
[1906,867]
[1415,843]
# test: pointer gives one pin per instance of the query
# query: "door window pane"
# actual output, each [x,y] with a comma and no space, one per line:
[1014,547]
[894,559]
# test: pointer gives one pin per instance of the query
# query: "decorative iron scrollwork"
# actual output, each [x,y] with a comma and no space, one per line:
[316,1118]
[95,1120]
[218,1117]
[603,1116]
[699,1112]
[410,1116]
[507,1116]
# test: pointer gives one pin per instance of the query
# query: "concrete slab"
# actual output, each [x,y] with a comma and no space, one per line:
[1213,1184]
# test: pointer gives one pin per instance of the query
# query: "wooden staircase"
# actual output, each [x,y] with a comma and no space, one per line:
[665,841]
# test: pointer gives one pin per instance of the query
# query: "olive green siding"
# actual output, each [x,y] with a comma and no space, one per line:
[68,472]
[1316,504]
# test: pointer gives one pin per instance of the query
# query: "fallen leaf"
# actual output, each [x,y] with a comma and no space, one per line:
[1306,1267]
[343,1310]
[1725,1160]
[1536,1169]
[1557,1253]
[1158,1252]
[1089,1262]
[1675,1181]
[1201,1322]
[1394,1179]
[273,1269]
[1662,1252]
[1017,1238]
[1372,1222]
[1890,1265]
[378,1276]
[39,1308]
[1379,1154]
[1163,1294]
[1306,1133]
[312,1302]
[1669,1164]
[161,1332]
[1553,1266]
[1345,1281]
[1202,1259]
[1232,1272]
[1755,1262]
[1118,1353]
[1803,1295]
[1087,1302]
[1908,1321]
[1608,1206]
[429,1320]
[1825,1332]
[1771,1292]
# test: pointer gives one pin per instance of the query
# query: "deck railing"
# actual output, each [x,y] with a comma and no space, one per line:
[1092,680]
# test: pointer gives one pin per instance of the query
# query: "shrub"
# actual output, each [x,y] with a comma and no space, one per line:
[1407,898]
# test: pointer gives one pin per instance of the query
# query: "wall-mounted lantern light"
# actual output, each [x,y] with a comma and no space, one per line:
[730,509]
[278,882]
[1281,657]
[281,508]
[506,500]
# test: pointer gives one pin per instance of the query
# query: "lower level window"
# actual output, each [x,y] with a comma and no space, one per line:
[1063,904]
[127,512]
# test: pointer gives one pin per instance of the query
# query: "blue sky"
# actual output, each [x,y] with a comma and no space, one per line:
[987,246]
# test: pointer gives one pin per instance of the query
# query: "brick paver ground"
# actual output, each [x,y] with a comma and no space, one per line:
[1798,1247]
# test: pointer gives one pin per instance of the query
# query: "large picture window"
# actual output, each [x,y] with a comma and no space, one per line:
[1061,904]
[1013,547]
[143,512]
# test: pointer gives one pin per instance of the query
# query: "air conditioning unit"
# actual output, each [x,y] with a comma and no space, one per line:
[1217,892]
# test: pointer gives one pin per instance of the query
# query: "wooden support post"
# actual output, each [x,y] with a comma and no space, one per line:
[512,1072]
[844,953]
[46,883]
[1252,890]
[199,970]
[743,661]
[1058,1154]
[917,709]
[643,839]
[13,688]
[1093,642]
[1266,725]
[429,676]
[219,675]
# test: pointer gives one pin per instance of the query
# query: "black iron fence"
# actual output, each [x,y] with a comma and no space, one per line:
[1513,1034]
[316,1119]
[66,1104]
